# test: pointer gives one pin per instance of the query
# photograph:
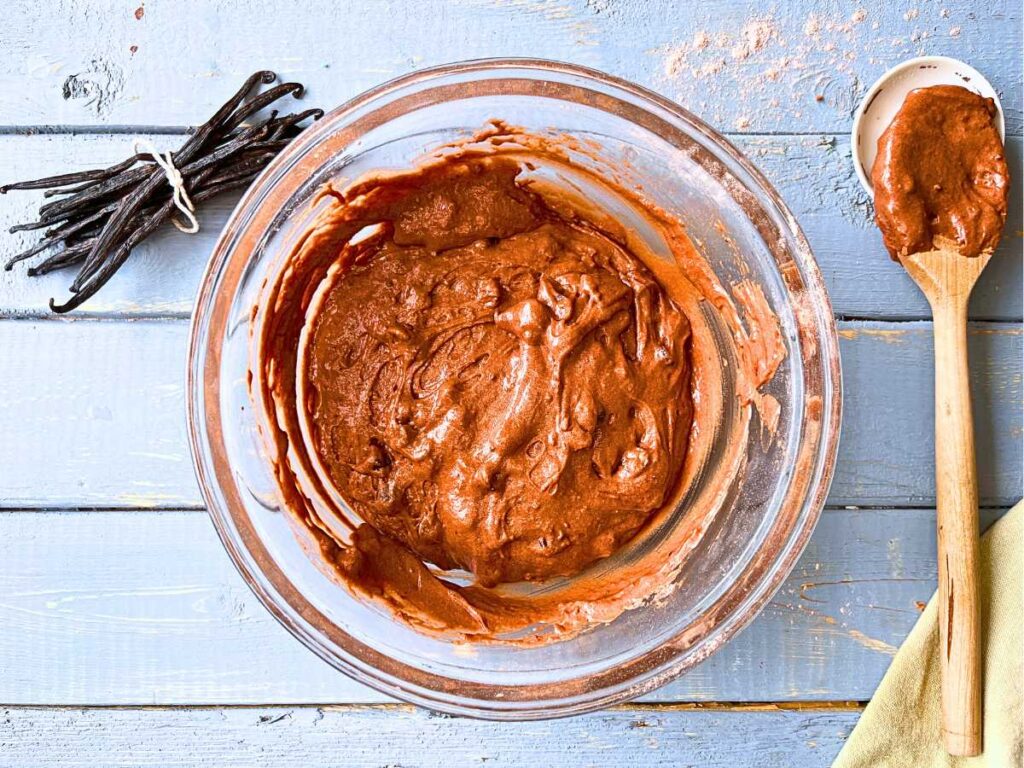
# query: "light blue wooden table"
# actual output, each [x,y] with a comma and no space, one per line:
[127,638]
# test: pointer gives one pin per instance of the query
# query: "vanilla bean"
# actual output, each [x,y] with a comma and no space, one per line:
[121,218]
[60,260]
[132,202]
[54,181]
[254,105]
[70,190]
[203,133]
[245,170]
[94,194]
[250,164]
[84,287]
[69,228]
[75,255]
[102,175]
[103,214]
[289,121]
[132,176]
[39,247]
[138,197]
[225,151]
[29,226]
[225,185]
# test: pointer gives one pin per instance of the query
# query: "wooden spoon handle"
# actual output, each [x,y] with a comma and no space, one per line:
[957,491]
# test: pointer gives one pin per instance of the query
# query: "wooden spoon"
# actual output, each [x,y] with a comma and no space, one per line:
[947,279]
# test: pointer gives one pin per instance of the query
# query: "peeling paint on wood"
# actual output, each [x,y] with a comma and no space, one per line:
[873,643]
[739,64]
[888,335]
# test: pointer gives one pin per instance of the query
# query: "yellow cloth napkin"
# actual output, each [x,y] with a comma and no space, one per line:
[900,726]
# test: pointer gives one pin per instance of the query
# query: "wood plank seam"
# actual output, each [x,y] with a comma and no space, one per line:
[183,130]
[633,707]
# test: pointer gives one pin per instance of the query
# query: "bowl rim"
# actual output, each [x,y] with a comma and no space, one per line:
[252,567]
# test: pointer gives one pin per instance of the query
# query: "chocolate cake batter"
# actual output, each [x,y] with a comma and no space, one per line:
[469,369]
[940,176]
[496,387]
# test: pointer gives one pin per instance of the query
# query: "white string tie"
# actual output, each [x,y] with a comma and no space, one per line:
[181,199]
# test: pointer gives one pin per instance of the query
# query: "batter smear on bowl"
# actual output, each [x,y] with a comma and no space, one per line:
[468,368]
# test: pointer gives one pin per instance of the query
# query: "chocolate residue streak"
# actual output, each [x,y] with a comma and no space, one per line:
[467,367]
[941,179]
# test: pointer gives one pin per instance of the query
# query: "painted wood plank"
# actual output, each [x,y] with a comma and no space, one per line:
[93,414]
[740,64]
[371,736]
[887,449]
[115,608]
[813,173]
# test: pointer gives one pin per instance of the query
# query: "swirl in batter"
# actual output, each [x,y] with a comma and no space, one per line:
[496,387]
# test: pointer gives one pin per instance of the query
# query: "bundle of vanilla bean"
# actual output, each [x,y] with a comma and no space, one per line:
[103,214]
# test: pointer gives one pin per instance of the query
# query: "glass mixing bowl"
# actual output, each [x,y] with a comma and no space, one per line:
[764,517]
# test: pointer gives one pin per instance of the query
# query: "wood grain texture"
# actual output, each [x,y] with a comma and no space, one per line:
[94,414]
[374,737]
[813,173]
[111,608]
[740,64]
